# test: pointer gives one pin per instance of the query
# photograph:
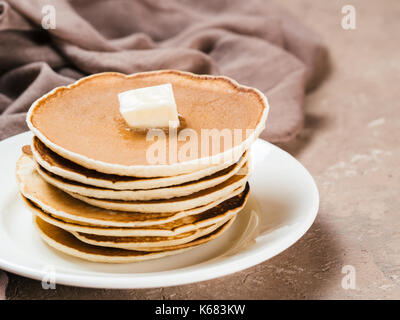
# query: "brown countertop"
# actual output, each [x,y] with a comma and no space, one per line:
[350,145]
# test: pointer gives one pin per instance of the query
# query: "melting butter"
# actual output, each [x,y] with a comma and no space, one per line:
[149,107]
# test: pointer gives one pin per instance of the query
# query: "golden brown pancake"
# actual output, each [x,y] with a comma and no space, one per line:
[65,242]
[28,180]
[82,122]
[147,194]
[154,243]
[62,167]
[132,239]
[215,215]
[64,207]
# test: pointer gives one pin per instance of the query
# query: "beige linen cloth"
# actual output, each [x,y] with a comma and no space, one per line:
[253,41]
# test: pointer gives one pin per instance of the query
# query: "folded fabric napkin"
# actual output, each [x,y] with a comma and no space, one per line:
[254,42]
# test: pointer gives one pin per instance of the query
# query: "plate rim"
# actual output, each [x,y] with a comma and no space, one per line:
[229,265]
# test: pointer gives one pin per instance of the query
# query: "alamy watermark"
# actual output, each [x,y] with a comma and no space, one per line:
[349,280]
[188,144]
[49,17]
[49,277]
[349,17]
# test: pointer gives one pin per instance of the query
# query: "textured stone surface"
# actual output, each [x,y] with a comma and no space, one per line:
[351,146]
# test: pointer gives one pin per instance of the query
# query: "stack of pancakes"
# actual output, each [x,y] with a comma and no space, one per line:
[94,194]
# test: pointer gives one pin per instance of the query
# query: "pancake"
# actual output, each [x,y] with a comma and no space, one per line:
[150,244]
[136,242]
[82,122]
[223,190]
[216,215]
[64,207]
[143,195]
[67,243]
[25,171]
[59,166]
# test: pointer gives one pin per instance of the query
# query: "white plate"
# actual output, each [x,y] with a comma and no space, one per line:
[282,206]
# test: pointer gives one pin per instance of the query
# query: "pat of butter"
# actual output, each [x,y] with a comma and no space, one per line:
[150,107]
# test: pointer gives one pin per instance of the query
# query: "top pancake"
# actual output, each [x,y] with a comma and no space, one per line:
[82,122]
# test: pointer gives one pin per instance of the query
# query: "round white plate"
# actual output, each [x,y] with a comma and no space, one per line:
[282,206]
